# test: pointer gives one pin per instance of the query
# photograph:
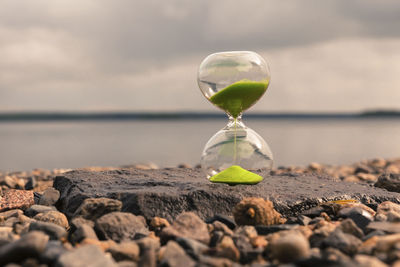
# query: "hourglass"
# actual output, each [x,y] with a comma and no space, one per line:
[234,81]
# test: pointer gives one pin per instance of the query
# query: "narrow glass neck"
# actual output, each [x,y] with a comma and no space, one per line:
[235,122]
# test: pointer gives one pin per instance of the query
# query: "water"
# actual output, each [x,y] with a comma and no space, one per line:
[28,145]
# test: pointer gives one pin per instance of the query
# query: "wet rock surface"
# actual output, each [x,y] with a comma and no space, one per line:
[168,192]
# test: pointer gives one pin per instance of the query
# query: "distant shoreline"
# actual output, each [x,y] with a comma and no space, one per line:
[115,116]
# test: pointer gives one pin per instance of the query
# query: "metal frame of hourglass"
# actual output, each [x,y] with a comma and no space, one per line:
[234,81]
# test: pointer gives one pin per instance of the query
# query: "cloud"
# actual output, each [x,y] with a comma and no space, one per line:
[143,55]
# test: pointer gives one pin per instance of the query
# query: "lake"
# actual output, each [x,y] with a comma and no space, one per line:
[74,144]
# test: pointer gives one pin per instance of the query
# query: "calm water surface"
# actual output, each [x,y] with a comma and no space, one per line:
[28,145]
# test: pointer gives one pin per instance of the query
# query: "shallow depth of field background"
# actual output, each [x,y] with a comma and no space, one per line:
[142,56]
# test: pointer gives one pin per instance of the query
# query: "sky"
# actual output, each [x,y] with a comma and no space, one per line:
[126,55]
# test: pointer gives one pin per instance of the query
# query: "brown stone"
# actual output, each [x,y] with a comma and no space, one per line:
[16,199]
[256,211]
[53,217]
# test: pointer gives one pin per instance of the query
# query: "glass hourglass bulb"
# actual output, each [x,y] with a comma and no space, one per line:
[234,81]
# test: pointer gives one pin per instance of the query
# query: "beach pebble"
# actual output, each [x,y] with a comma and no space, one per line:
[192,247]
[54,231]
[83,231]
[349,227]
[30,245]
[126,250]
[290,247]
[346,243]
[389,227]
[270,229]
[226,249]
[16,199]
[88,255]
[360,216]
[30,183]
[389,181]
[49,197]
[35,209]
[52,252]
[368,261]
[174,256]
[52,216]
[188,225]
[120,226]
[228,221]
[93,208]
[6,236]
[256,211]
[148,247]
[386,207]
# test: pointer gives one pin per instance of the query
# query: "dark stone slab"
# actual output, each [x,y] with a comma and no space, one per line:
[168,192]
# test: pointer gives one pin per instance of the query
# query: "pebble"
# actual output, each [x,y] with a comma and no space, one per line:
[389,227]
[53,217]
[386,207]
[30,245]
[173,255]
[349,227]
[120,226]
[125,251]
[52,252]
[6,236]
[290,247]
[270,229]
[35,209]
[88,255]
[49,197]
[84,231]
[30,183]
[360,216]
[16,199]
[368,261]
[188,225]
[228,221]
[54,231]
[94,208]
[219,226]
[389,181]
[346,243]
[192,247]
[226,249]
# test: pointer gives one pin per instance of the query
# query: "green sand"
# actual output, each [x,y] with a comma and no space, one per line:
[239,96]
[236,175]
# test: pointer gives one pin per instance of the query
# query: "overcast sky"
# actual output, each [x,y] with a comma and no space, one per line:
[125,55]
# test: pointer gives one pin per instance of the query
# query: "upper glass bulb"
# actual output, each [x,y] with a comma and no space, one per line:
[222,77]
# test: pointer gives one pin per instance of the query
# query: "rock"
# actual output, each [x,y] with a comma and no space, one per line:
[387,242]
[206,261]
[127,264]
[35,209]
[187,225]
[53,217]
[360,216]
[228,221]
[29,245]
[125,251]
[52,252]
[120,226]
[290,247]
[349,227]
[54,231]
[192,247]
[256,211]
[10,182]
[216,237]
[6,236]
[368,261]
[49,197]
[174,256]
[83,232]
[270,229]
[148,248]
[337,258]
[226,249]
[31,183]
[374,233]
[89,255]
[16,199]
[346,243]
[78,221]
[168,192]
[303,220]
[11,213]
[389,181]
[385,207]
[219,226]
[157,224]
[389,227]
[93,208]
